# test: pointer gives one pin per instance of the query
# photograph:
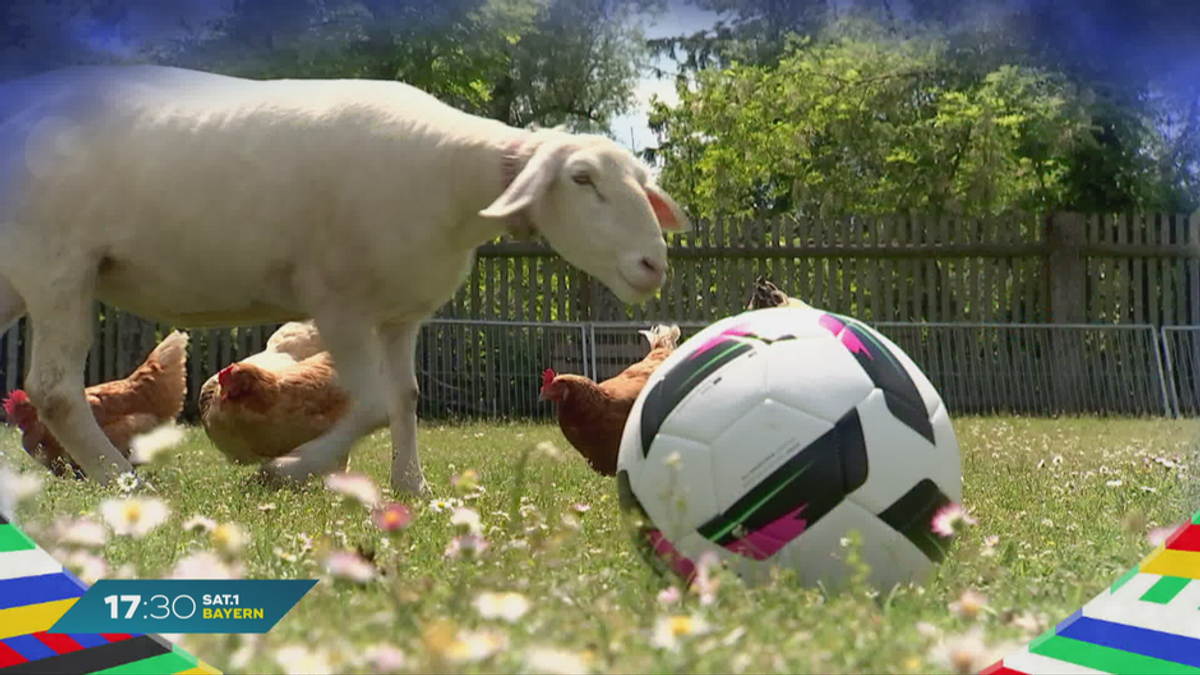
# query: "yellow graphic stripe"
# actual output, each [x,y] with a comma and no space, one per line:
[201,668]
[32,618]
[1185,564]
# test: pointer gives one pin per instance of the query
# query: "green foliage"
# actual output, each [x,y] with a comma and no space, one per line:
[861,122]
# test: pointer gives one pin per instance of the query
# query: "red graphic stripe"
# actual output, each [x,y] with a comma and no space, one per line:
[9,656]
[115,637]
[998,668]
[60,643]
[1186,539]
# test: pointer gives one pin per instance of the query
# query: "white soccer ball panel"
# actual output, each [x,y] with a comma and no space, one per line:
[721,399]
[899,458]
[818,376]
[676,497]
[819,557]
[755,445]
[949,460]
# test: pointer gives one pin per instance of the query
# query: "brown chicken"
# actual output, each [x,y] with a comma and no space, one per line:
[271,403]
[592,416]
[767,294]
[150,397]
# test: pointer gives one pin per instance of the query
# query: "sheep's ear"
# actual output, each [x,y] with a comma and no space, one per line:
[670,217]
[532,182]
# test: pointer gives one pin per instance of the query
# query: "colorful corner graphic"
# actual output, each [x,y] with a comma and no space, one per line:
[35,592]
[1148,621]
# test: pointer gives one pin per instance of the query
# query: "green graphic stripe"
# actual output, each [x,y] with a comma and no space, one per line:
[12,539]
[759,504]
[1165,590]
[177,660]
[1107,659]
[1133,572]
[1196,518]
[704,370]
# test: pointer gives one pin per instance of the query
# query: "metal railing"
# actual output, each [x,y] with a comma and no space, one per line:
[1181,351]
[493,370]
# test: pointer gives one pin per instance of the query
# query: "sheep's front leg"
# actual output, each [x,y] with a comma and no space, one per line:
[62,334]
[400,347]
[12,307]
[355,351]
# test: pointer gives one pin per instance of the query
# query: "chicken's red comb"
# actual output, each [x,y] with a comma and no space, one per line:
[223,375]
[548,376]
[15,399]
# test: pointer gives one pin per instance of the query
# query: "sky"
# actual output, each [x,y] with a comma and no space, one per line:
[680,19]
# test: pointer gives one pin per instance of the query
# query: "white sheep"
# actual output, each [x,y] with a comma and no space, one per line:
[204,200]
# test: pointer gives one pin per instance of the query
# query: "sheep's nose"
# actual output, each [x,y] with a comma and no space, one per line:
[653,267]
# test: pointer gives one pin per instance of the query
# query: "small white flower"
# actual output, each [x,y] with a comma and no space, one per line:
[443,505]
[549,449]
[1115,483]
[474,646]
[134,516]
[509,607]
[669,629]
[144,447]
[198,523]
[467,520]
[299,660]
[673,460]
[669,595]
[385,658]
[87,567]
[83,532]
[554,662]
[356,486]
[127,482]
[204,565]
[16,488]
[229,538]
[349,565]
[466,546]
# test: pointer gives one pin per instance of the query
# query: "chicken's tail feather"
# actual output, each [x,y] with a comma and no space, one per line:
[165,372]
[662,335]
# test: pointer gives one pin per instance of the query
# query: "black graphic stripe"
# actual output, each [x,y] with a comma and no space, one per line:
[886,371]
[96,658]
[680,381]
[912,516]
[817,476]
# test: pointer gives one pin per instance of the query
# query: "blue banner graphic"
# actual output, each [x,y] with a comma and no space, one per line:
[134,606]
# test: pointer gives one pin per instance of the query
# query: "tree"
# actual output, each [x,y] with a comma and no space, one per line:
[861,122]
[545,62]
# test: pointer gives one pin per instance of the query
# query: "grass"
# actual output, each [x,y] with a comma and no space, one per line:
[1071,502]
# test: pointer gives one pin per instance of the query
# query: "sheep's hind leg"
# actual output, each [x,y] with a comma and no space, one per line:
[352,352]
[400,346]
[62,334]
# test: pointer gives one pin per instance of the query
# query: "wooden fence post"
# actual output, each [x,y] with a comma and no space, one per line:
[1067,277]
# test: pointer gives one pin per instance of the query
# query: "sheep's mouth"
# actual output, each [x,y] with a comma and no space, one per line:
[643,287]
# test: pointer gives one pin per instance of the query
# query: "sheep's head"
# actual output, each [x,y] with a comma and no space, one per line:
[599,208]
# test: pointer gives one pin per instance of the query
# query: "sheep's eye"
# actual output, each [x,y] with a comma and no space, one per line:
[582,179]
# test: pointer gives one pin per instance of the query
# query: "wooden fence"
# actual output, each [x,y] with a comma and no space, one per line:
[1065,268]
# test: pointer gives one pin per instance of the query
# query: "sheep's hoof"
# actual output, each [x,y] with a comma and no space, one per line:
[286,472]
[412,485]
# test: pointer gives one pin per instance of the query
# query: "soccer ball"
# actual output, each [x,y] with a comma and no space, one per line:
[771,435]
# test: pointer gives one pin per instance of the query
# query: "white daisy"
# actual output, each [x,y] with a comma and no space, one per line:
[509,607]
[134,516]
